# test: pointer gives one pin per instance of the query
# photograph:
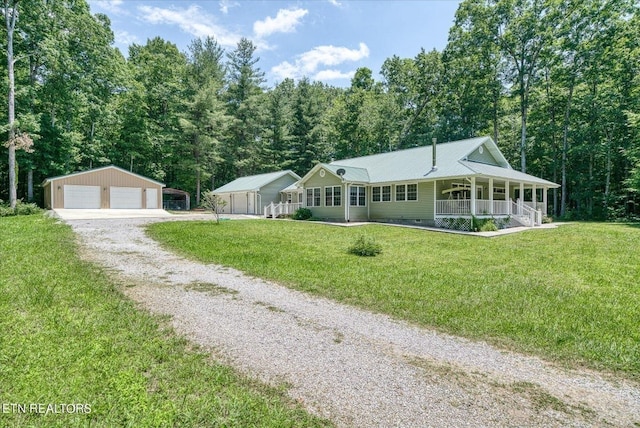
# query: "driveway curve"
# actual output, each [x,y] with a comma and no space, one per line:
[356,368]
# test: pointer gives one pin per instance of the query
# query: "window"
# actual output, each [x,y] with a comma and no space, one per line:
[412,192]
[381,194]
[333,196]
[406,192]
[313,197]
[386,193]
[357,196]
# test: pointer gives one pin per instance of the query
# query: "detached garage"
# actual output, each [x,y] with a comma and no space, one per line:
[106,187]
[249,195]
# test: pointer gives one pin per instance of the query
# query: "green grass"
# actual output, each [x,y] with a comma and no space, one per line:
[68,336]
[569,294]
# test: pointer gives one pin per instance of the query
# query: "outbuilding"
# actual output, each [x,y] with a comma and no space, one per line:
[106,187]
[249,195]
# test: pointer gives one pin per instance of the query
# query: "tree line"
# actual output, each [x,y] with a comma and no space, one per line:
[556,83]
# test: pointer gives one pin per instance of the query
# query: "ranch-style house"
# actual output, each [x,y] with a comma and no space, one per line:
[435,185]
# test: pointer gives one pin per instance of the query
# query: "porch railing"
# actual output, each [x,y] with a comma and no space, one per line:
[524,212]
[463,207]
[537,206]
[453,207]
[274,210]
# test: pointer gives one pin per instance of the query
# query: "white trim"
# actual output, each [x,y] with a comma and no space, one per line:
[358,187]
[313,196]
[382,193]
[406,192]
[333,197]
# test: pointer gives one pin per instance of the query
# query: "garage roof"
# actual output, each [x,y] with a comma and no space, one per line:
[89,171]
[254,183]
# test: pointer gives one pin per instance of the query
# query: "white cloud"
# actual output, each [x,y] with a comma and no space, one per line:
[333,75]
[331,55]
[285,21]
[191,20]
[113,6]
[335,3]
[285,69]
[308,63]
[225,5]
[124,38]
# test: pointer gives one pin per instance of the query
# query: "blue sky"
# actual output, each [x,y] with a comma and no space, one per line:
[325,40]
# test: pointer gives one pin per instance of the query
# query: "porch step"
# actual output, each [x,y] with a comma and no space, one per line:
[520,220]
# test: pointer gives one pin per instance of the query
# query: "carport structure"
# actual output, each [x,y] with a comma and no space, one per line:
[102,188]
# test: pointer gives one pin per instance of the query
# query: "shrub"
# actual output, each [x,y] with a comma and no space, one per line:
[20,209]
[546,219]
[5,211]
[488,226]
[302,214]
[365,246]
[27,209]
[214,203]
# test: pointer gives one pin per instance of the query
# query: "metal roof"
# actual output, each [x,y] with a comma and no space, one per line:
[254,183]
[507,174]
[352,174]
[416,164]
[89,171]
[293,187]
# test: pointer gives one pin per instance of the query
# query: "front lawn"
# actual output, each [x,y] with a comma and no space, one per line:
[569,294]
[75,352]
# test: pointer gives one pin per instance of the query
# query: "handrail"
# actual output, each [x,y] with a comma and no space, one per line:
[274,210]
[522,210]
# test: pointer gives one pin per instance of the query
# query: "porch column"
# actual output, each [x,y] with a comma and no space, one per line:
[491,196]
[346,202]
[473,196]
[544,200]
[534,197]
[521,198]
[507,196]
[435,200]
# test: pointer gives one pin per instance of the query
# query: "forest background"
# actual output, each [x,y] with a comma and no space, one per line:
[556,83]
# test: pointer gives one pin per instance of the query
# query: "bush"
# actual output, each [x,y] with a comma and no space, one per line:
[488,226]
[5,211]
[366,247]
[20,209]
[27,209]
[302,214]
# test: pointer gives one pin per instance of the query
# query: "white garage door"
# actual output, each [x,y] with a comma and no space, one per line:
[239,203]
[84,197]
[152,199]
[126,197]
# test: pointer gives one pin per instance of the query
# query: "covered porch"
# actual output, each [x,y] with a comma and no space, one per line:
[522,202]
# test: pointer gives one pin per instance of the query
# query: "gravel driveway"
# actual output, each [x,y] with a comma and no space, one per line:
[353,367]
